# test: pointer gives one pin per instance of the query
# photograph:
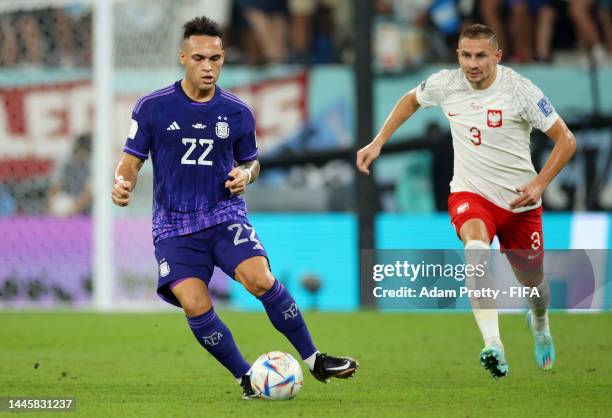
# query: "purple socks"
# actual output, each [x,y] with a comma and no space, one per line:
[217,339]
[286,318]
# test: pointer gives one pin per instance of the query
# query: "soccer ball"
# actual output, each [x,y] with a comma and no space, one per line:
[276,375]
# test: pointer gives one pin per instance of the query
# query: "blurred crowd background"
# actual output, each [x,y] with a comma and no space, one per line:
[259,32]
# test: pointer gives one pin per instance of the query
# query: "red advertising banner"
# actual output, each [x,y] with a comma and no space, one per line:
[38,124]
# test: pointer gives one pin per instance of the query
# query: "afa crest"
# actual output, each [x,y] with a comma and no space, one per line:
[494,118]
[222,128]
[164,268]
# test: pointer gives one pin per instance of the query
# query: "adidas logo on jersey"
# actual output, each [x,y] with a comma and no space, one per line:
[173,127]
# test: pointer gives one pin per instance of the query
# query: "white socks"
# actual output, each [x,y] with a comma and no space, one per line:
[310,361]
[484,309]
[539,308]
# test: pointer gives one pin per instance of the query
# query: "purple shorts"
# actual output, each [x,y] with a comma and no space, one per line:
[194,255]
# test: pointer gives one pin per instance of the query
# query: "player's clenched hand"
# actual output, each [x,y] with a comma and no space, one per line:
[237,183]
[122,191]
[530,195]
[366,155]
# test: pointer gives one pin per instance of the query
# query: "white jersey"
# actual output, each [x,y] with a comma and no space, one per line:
[491,130]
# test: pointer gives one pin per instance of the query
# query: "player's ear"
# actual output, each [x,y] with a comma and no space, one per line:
[498,55]
[182,57]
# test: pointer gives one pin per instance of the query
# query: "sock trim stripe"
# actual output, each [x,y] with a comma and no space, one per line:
[199,323]
[477,245]
[273,293]
[202,320]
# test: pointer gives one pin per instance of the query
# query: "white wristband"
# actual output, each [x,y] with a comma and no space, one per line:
[249,173]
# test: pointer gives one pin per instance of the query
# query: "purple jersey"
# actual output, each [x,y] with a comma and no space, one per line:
[193,146]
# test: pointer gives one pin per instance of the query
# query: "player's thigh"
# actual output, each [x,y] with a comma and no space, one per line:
[471,217]
[192,294]
[474,229]
[255,275]
[238,251]
[522,240]
[181,258]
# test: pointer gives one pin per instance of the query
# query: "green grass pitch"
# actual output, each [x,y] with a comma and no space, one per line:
[412,364]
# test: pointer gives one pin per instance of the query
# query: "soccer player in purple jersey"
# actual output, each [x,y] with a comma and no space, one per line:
[202,143]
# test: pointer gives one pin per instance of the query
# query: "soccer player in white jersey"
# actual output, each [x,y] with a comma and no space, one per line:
[495,190]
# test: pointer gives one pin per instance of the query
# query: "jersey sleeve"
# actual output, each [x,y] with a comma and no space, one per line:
[534,106]
[429,93]
[138,142]
[245,147]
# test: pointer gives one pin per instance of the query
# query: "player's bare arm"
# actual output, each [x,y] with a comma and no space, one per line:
[241,176]
[403,109]
[126,176]
[564,149]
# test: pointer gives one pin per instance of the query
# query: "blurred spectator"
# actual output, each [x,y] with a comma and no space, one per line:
[412,30]
[521,29]
[29,31]
[545,26]
[604,14]
[70,193]
[64,38]
[46,37]
[491,12]
[314,30]
[9,49]
[531,25]
[268,21]
[74,27]
[304,31]
[301,12]
[587,29]
[445,16]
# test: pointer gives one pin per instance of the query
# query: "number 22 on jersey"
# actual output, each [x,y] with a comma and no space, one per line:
[192,143]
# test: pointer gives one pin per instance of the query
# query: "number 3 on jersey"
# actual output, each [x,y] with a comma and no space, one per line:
[191,142]
[476,136]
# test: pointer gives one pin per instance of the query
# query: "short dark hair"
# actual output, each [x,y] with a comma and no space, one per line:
[202,26]
[478,31]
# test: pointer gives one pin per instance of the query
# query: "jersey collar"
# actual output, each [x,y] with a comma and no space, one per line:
[193,102]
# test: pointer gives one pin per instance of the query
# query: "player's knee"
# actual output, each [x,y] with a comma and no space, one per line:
[258,282]
[477,253]
[195,304]
[530,277]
